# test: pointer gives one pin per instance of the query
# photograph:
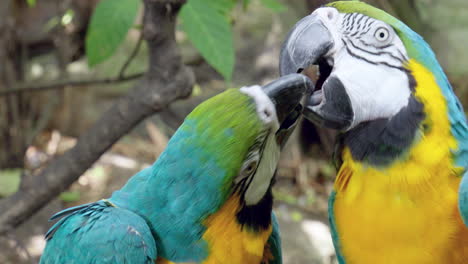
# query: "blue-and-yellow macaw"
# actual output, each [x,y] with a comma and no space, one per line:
[207,199]
[403,150]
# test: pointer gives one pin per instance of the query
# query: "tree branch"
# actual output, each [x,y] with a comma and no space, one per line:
[64,83]
[166,81]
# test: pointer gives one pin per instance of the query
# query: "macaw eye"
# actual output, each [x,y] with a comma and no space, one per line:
[382,34]
[250,167]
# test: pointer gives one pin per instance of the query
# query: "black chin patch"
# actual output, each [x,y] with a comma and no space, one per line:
[380,142]
[336,112]
[257,217]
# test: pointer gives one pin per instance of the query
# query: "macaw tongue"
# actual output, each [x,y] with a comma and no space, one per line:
[316,98]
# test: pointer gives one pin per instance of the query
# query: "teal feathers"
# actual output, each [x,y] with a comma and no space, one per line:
[99,233]
[334,232]
[274,243]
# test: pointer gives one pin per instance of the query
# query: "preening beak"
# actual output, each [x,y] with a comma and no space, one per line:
[286,93]
[306,43]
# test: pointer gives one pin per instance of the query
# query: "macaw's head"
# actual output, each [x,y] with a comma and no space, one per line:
[231,142]
[371,66]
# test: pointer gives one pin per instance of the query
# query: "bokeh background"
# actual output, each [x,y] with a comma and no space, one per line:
[53,89]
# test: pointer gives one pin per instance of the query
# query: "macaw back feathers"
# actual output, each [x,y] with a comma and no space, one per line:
[99,233]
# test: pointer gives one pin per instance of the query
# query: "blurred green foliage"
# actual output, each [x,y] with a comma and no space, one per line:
[71,196]
[31,3]
[207,23]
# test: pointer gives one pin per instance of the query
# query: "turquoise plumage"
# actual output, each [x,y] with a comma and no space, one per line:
[274,243]
[463,199]
[100,229]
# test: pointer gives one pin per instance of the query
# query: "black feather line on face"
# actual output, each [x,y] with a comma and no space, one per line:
[378,53]
[345,43]
[255,217]
[258,146]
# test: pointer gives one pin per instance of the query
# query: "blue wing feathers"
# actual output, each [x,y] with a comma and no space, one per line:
[463,198]
[99,233]
[274,242]
[426,56]
[334,232]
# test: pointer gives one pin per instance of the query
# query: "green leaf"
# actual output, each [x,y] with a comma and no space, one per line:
[274,5]
[210,33]
[223,6]
[9,181]
[71,196]
[109,25]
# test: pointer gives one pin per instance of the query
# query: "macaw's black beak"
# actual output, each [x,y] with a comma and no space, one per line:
[307,42]
[286,93]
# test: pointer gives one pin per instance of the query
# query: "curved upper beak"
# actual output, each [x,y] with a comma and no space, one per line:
[286,93]
[306,43]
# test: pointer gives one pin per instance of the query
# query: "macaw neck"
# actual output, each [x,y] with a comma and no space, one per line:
[381,142]
[257,217]
[421,134]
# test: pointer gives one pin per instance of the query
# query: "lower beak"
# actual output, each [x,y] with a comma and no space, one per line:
[306,43]
[286,93]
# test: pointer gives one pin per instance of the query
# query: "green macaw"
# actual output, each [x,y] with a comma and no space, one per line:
[207,199]
[400,195]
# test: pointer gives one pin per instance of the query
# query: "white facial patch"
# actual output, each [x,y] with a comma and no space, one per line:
[265,108]
[375,91]
[265,171]
[269,160]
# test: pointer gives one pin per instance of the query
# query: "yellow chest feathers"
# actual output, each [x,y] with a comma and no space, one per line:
[406,213]
[229,242]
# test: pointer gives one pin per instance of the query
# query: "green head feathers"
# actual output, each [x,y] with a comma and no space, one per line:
[219,134]
[226,126]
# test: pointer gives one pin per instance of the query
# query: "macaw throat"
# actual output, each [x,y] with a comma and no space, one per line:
[380,142]
[257,217]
